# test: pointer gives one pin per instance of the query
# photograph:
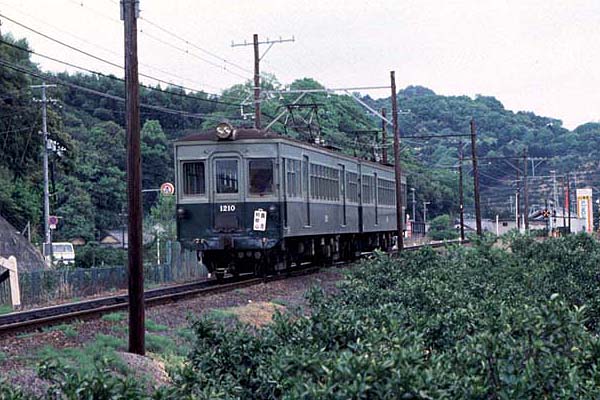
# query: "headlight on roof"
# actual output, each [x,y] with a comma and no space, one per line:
[225,131]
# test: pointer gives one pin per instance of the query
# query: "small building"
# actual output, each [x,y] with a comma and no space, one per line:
[78,241]
[118,238]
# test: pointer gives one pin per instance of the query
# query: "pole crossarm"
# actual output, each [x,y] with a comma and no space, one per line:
[268,41]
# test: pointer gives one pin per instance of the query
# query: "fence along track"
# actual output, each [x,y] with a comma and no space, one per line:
[46,286]
[27,320]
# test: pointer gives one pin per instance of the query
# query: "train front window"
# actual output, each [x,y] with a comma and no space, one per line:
[193,179]
[260,174]
[226,172]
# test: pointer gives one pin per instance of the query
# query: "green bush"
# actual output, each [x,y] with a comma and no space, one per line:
[441,228]
[461,324]
[93,255]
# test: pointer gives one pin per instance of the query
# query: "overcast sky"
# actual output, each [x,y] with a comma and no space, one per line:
[533,55]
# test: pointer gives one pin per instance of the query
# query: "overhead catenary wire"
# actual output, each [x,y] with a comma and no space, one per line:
[113,97]
[108,50]
[114,77]
[93,56]
[187,52]
[208,52]
[106,95]
[186,41]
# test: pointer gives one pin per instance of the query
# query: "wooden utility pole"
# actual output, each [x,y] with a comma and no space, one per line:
[461,199]
[257,57]
[476,178]
[525,192]
[384,158]
[397,166]
[130,11]
[256,84]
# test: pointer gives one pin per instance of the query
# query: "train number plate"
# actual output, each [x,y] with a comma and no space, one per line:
[260,220]
[227,208]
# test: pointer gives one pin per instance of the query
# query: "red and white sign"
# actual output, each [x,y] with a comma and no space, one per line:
[167,188]
[52,221]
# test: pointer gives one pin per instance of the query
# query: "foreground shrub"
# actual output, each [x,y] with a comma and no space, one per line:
[465,323]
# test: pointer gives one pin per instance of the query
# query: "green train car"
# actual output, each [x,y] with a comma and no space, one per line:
[255,201]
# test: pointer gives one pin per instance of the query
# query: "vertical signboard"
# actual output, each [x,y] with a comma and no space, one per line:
[585,210]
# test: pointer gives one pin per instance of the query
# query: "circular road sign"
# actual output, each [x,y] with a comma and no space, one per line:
[167,189]
[52,221]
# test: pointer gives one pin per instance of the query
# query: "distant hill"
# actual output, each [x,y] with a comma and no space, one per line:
[88,173]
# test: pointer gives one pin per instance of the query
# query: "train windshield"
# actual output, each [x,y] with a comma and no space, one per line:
[260,173]
[227,176]
[193,178]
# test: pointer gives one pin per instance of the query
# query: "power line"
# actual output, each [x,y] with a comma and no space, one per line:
[182,50]
[146,20]
[166,43]
[88,54]
[113,97]
[107,50]
[114,77]
[106,95]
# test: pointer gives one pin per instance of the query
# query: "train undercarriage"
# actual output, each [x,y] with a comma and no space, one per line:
[292,253]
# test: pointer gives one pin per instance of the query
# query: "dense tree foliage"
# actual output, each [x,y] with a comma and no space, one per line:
[88,173]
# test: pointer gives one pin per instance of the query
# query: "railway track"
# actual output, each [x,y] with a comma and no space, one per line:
[41,317]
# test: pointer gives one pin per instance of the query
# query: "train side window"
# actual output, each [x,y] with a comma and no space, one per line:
[260,174]
[368,189]
[226,172]
[194,178]
[293,178]
[352,187]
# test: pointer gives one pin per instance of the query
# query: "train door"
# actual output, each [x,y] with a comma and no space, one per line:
[306,187]
[227,193]
[343,192]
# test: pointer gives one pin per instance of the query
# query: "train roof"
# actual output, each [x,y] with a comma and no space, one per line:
[250,133]
[240,134]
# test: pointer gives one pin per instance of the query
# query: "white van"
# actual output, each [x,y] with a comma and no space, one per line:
[63,252]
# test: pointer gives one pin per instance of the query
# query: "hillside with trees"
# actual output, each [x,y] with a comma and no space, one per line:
[87,126]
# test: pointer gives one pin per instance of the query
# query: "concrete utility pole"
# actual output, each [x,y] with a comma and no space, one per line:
[425,203]
[384,139]
[461,199]
[257,57]
[47,233]
[476,178]
[525,192]
[397,166]
[130,13]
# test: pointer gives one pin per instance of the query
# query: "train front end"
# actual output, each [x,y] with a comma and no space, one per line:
[228,202]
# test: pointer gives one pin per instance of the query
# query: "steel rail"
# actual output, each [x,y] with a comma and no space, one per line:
[46,316]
